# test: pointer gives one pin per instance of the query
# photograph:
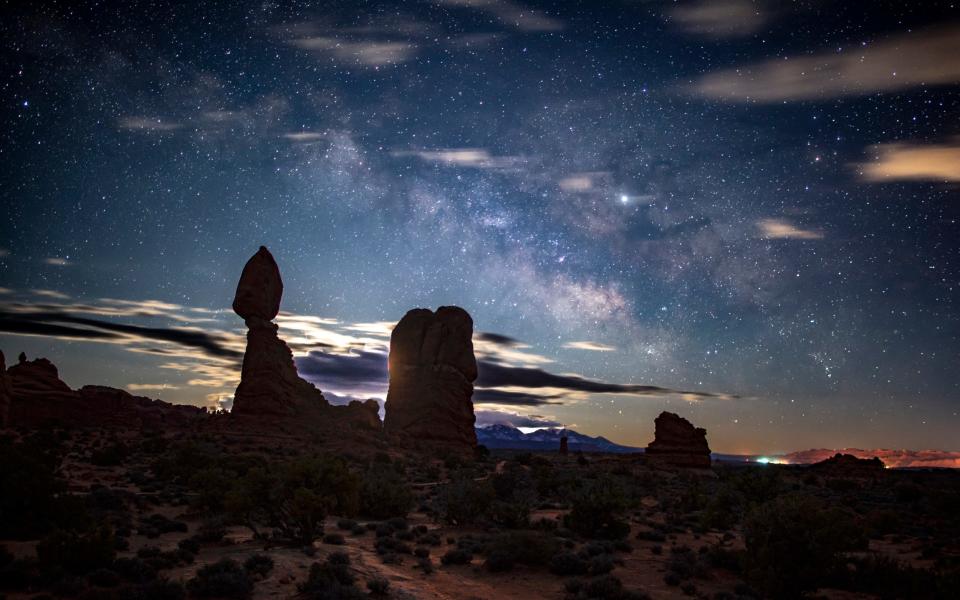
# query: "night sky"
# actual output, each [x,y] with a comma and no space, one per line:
[752,207]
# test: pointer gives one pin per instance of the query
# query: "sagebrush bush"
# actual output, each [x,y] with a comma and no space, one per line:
[793,544]
[223,579]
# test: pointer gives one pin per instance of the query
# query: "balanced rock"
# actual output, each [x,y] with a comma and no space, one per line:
[4,393]
[677,442]
[432,370]
[269,383]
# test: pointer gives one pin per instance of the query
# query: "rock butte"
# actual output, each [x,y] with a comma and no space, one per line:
[677,442]
[432,370]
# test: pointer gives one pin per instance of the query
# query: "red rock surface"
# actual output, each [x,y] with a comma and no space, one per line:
[432,370]
[849,462]
[678,442]
[39,398]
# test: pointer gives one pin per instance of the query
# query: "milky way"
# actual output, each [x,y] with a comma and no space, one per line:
[751,208]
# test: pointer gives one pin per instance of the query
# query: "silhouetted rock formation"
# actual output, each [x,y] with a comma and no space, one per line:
[38,398]
[269,383]
[4,392]
[678,442]
[564,449]
[432,370]
[850,463]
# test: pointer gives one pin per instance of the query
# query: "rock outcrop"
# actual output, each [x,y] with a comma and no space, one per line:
[4,393]
[678,442]
[39,398]
[432,370]
[269,383]
[848,463]
[564,445]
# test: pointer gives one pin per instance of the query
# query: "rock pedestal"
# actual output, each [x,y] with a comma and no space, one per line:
[564,449]
[432,370]
[678,442]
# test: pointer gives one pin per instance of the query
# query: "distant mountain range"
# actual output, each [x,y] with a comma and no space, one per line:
[508,437]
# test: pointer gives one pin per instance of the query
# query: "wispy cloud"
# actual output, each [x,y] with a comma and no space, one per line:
[155,387]
[913,161]
[592,346]
[361,53]
[781,229]
[487,417]
[147,124]
[720,18]
[4,253]
[304,137]
[510,14]
[57,261]
[477,158]
[924,57]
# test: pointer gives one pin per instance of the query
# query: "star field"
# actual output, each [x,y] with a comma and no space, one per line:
[747,200]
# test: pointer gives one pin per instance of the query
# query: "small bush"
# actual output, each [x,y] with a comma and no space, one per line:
[334,539]
[378,586]
[258,565]
[457,556]
[77,553]
[384,493]
[225,578]
[567,563]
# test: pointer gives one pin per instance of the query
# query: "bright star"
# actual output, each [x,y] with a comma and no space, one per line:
[624,198]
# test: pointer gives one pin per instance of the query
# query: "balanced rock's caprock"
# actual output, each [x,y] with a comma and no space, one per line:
[269,383]
[432,370]
[4,393]
[678,442]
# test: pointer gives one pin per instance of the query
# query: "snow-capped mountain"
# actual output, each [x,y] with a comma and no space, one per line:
[509,437]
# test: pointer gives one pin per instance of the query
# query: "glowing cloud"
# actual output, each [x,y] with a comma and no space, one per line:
[916,162]
[920,58]
[780,229]
[592,346]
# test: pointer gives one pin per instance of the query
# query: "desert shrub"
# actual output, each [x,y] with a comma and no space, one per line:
[294,497]
[531,548]
[378,586]
[425,564]
[600,564]
[222,579]
[457,556]
[156,524]
[384,493]
[347,524]
[568,563]
[334,539]
[77,553]
[104,578]
[211,531]
[330,581]
[32,497]
[110,455]
[190,544]
[211,485]
[793,544]
[159,589]
[595,510]
[684,563]
[607,587]
[134,570]
[464,501]
[258,565]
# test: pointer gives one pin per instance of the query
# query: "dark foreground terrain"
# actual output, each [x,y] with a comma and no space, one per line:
[96,514]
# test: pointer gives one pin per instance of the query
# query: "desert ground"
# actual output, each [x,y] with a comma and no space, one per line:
[106,514]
